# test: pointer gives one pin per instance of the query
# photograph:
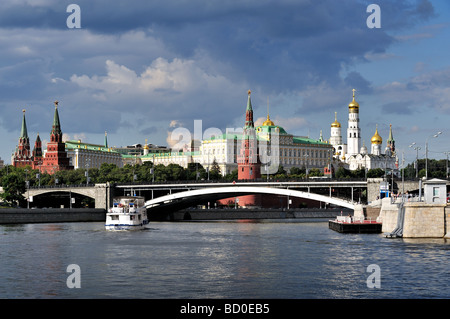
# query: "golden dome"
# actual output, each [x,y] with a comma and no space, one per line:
[353,106]
[335,123]
[268,122]
[376,139]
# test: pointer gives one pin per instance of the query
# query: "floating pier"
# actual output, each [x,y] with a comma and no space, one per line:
[349,225]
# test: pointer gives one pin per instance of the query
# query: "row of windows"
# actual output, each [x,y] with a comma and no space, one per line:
[296,161]
[283,152]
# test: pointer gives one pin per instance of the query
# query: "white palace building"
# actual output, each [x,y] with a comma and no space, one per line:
[283,148]
[291,151]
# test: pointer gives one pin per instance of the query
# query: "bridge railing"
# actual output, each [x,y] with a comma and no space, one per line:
[406,198]
[258,180]
[61,186]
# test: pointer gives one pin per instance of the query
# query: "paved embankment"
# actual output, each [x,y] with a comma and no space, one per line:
[230,214]
[52,215]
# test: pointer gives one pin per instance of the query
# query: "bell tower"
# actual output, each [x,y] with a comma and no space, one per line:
[353,129]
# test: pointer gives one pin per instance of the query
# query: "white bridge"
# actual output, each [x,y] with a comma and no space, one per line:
[187,198]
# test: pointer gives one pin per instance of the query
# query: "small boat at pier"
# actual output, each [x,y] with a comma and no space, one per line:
[127,213]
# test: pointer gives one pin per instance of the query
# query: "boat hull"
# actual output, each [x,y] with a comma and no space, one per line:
[124,227]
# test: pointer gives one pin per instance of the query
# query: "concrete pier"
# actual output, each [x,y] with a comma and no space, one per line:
[421,220]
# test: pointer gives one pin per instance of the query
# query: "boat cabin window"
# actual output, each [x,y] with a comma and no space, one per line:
[114,217]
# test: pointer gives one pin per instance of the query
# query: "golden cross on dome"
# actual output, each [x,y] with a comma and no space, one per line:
[354,93]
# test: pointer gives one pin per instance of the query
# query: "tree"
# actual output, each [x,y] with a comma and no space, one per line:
[281,173]
[13,188]
[233,176]
[343,173]
[315,172]
[176,172]
[297,171]
[215,172]
[375,173]
[359,173]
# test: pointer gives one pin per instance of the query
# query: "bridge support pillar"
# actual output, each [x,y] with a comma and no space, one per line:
[358,211]
[103,195]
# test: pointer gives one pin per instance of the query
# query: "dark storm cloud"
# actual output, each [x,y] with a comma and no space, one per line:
[271,46]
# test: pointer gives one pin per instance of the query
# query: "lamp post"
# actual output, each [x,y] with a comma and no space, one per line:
[426,153]
[417,148]
[446,166]
[27,185]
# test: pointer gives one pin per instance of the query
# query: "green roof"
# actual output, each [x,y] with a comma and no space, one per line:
[91,147]
[269,128]
[307,140]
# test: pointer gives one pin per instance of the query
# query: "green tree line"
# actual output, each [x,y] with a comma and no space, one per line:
[15,180]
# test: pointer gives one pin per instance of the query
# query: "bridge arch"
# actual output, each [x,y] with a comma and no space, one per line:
[97,195]
[188,198]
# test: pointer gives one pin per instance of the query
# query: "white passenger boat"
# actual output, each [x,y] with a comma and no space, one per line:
[127,213]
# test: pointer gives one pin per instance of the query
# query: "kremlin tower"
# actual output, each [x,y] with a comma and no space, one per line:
[23,156]
[56,158]
[249,165]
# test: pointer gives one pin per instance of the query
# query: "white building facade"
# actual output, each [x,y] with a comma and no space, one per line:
[353,154]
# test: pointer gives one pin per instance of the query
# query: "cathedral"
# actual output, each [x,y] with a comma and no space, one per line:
[355,155]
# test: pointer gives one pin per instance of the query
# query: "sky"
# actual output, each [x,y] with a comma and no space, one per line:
[140,69]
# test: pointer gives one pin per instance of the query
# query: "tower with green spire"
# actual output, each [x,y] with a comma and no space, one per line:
[22,155]
[249,165]
[56,133]
[56,158]
[249,113]
[390,141]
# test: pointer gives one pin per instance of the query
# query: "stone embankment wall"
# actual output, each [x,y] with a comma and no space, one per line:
[53,215]
[230,214]
[421,220]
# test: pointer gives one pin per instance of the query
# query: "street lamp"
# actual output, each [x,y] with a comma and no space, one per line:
[27,185]
[417,148]
[446,166]
[426,153]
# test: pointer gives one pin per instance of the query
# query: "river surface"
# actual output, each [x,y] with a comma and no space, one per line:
[288,259]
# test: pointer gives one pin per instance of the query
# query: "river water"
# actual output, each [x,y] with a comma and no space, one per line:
[287,259]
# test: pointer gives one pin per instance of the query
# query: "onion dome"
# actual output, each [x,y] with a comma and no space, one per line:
[376,138]
[335,123]
[363,149]
[268,122]
[353,106]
